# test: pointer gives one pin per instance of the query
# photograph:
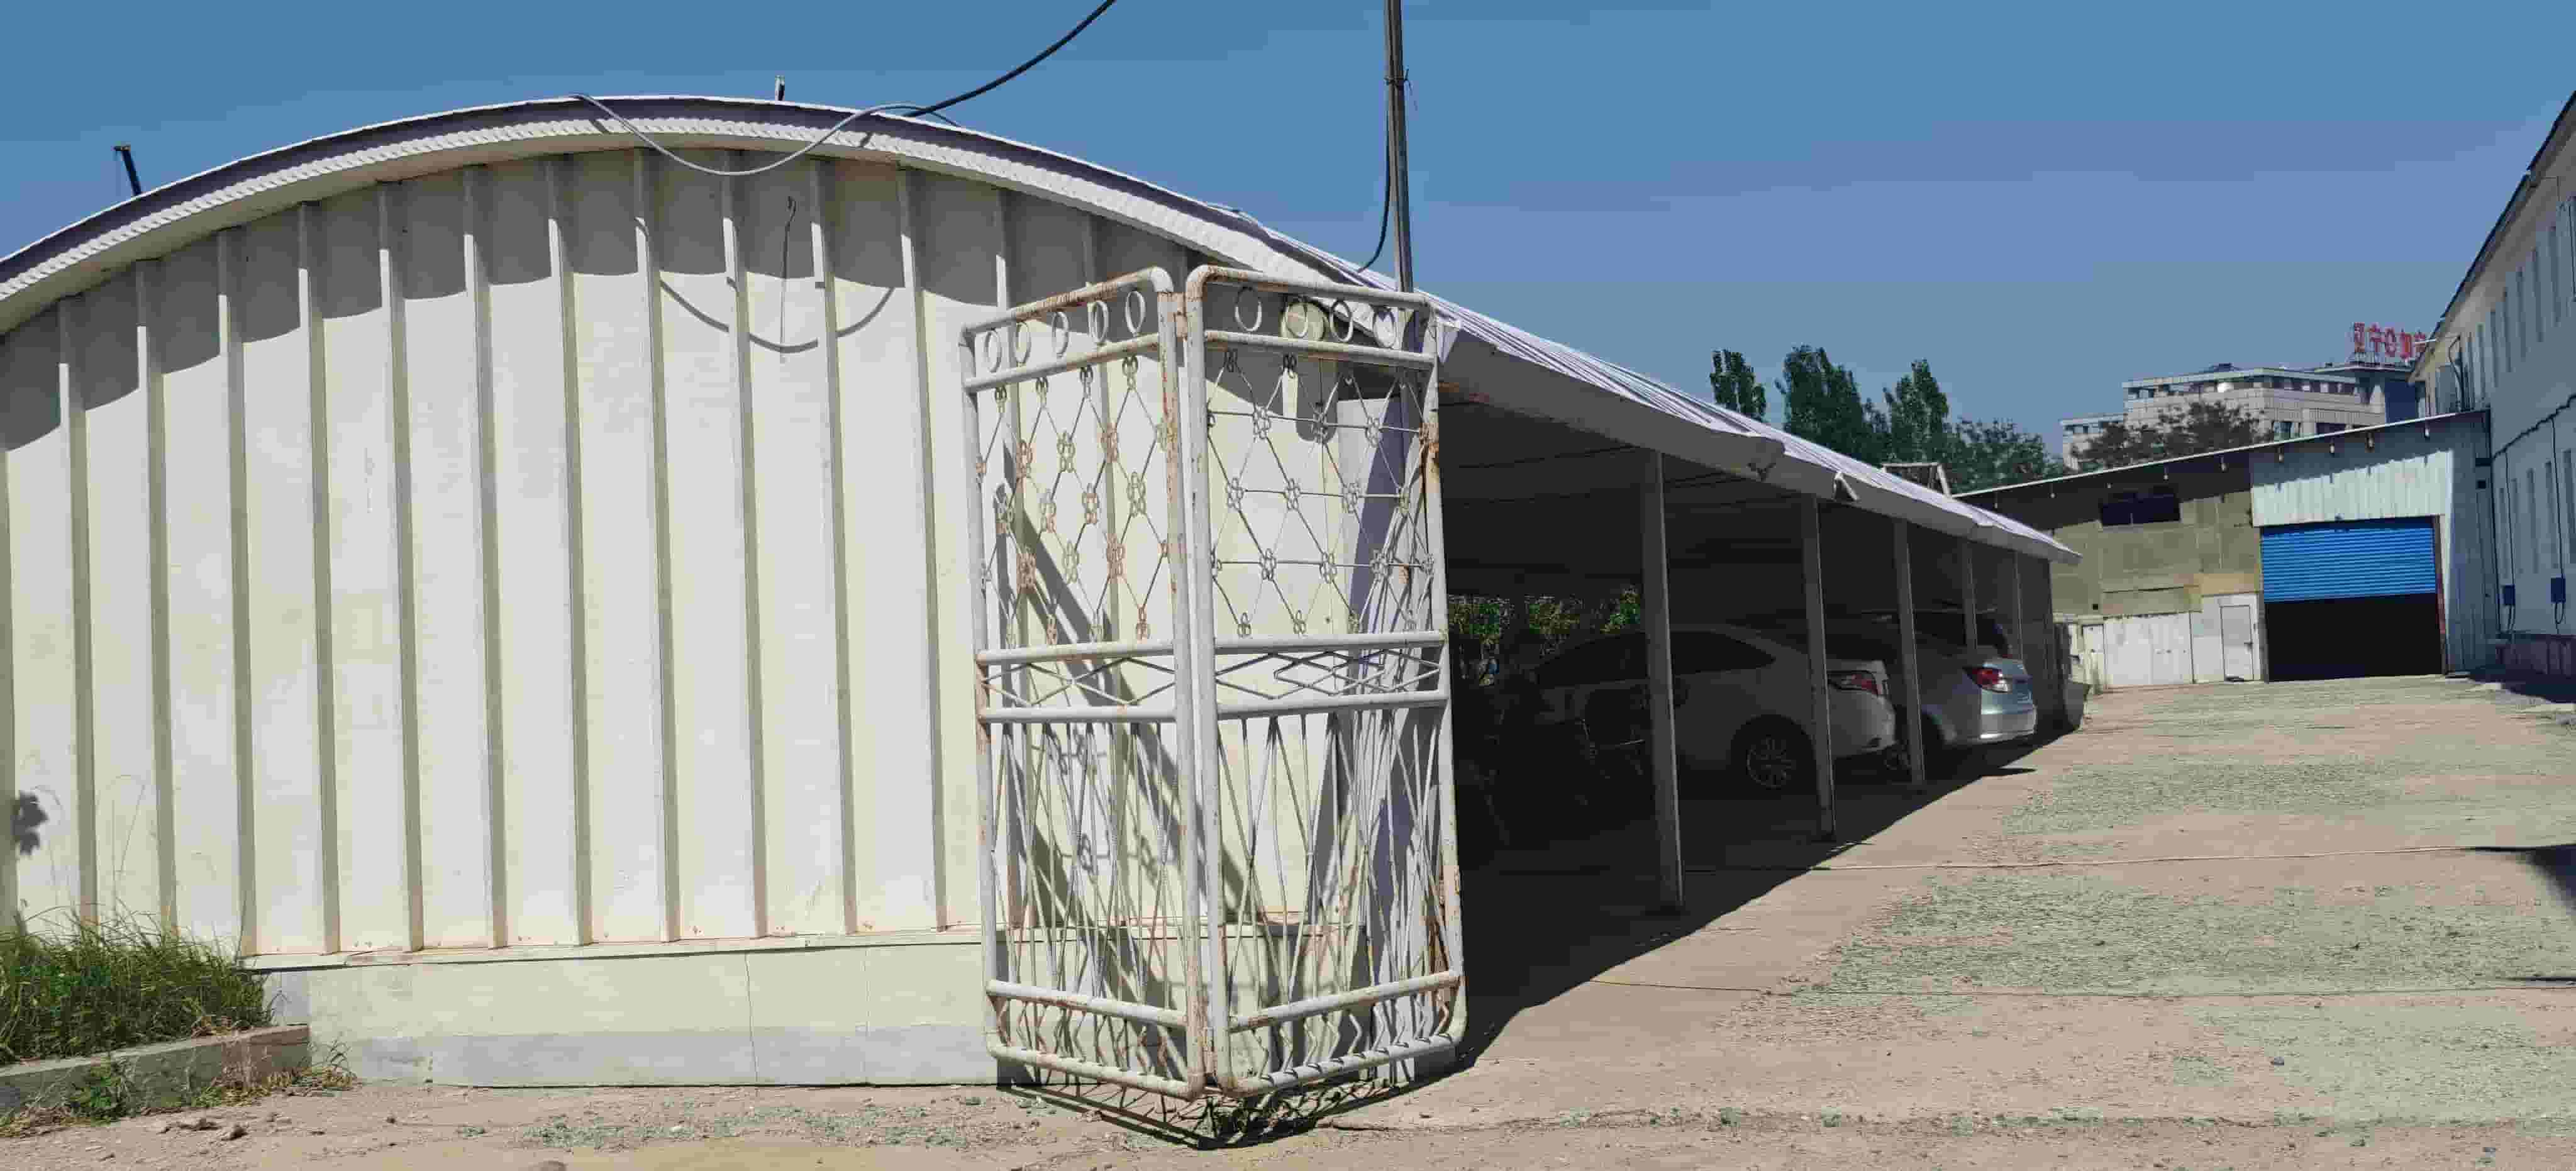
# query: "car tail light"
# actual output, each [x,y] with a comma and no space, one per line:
[1990,679]
[1854,681]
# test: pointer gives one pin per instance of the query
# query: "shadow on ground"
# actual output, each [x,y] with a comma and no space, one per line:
[2546,688]
[1544,918]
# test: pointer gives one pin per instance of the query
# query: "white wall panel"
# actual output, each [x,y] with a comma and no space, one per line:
[531,317]
[370,765]
[886,555]
[958,273]
[197,418]
[617,360]
[116,434]
[43,679]
[443,479]
[792,405]
[713,773]
[281,688]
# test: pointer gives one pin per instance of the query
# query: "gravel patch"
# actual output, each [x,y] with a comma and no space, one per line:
[2388,1061]
[2089,933]
[2415,750]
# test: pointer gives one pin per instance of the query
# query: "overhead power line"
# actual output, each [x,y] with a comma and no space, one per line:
[904,108]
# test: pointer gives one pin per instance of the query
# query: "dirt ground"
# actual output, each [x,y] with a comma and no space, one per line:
[381,1128]
[2288,925]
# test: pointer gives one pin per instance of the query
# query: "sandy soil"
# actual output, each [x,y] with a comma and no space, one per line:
[862,1130]
[2293,925]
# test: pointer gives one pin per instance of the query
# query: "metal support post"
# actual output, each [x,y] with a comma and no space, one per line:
[1811,542]
[2013,631]
[1913,664]
[1968,593]
[1654,596]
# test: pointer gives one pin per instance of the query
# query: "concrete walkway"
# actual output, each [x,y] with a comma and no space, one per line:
[2253,903]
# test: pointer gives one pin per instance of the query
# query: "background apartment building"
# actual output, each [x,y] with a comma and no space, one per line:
[2291,402]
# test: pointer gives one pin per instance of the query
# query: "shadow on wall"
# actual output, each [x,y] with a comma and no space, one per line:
[23,821]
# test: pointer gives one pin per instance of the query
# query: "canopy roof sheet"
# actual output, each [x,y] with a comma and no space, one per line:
[1522,370]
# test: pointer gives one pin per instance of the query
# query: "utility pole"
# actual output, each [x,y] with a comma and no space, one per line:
[132,180]
[1398,187]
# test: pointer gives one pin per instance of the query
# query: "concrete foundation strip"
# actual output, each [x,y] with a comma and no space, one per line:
[2123,861]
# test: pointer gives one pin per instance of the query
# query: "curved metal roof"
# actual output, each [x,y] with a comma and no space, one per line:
[1521,370]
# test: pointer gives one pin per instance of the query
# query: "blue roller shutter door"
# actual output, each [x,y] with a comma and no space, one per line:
[2348,559]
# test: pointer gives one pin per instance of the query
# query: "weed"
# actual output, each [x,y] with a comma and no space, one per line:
[71,988]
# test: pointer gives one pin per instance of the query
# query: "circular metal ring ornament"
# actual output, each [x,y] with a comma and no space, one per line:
[1134,307]
[1062,324]
[1018,352]
[1096,315]
[1260,311]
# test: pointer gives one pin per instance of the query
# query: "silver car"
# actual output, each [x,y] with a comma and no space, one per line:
[1971,699]
[1972,696]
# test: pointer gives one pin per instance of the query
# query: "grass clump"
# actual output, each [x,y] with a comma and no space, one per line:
[73,989]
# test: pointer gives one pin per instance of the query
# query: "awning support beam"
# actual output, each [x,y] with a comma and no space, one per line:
[1821,730]
[1912,662]
[1654,597]
[1968,593]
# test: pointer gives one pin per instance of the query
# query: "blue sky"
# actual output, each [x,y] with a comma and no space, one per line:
[2042,200]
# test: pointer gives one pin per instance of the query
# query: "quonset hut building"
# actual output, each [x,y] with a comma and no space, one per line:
[930,611]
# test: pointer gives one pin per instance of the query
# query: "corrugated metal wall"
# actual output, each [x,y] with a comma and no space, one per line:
[2401,472]
[546,552]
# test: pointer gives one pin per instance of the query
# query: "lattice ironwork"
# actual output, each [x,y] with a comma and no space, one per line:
[1323,747]
[1091,925]
[1209,613]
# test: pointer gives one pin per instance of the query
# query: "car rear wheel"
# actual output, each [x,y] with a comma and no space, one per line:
[1773,756]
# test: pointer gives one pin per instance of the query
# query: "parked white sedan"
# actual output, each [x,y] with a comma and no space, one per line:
[1740,699]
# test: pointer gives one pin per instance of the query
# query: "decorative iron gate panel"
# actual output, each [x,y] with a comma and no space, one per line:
[1090,919]
[1320,632]
[1209,611]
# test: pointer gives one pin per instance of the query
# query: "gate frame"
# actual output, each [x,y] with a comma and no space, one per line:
[1180,342]
[1190,1018]
[1416,318]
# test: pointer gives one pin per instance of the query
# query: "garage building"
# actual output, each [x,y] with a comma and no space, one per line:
[586,609]
[2357,553]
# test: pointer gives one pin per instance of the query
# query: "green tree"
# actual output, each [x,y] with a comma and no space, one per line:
[1733,384]
[1823,405]
[1986,453]
[1918,419]
[2201,426]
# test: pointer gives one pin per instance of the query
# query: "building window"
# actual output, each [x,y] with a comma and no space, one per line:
[2486,360]
[2330,428]
[2284,429]
[2155,505]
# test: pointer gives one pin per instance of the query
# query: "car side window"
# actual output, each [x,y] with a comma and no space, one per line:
[1605,661]
[1700,650]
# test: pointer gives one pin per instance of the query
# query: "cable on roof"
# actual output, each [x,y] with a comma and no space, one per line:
[909,109]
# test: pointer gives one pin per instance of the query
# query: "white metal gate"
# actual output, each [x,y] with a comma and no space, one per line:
[1210,611]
